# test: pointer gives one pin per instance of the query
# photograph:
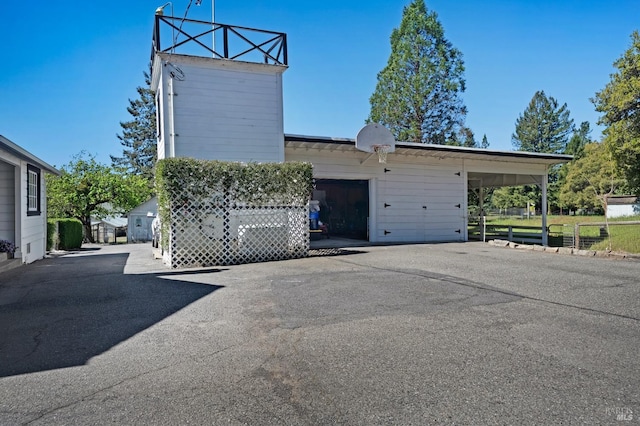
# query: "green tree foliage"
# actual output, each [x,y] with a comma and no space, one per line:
[485,142]
[591,179]
[619,102]
[138,136]
[544,126]
[464,137]
[418,94]
[87,189]
[512,196]
[578,140]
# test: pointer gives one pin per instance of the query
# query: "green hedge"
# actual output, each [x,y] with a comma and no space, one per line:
[51,234]
[69,234]
[188,181]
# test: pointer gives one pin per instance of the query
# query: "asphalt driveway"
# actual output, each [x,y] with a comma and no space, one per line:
[413,334]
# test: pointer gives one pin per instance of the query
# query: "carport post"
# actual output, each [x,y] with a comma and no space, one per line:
[545,237]
[482,217]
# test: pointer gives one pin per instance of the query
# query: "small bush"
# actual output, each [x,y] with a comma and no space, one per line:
[7,247]
[51,234]
[69,233]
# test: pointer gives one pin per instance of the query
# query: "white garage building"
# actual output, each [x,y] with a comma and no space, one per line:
[420,194]
[226,104]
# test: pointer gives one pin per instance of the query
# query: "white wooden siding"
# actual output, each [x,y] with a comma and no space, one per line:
[425,201]
[409,184]
[7,201]
[34,228]
[621,210]
[506,167]
[224,110]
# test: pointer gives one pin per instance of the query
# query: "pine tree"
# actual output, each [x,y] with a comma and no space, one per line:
[418,94]
[485,142]
[543,127]
[139,135]
[578,140]
[468,138]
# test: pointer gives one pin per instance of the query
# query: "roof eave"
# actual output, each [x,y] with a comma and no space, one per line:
[549,159]
[23,154]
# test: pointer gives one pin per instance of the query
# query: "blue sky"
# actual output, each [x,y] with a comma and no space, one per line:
[69,67]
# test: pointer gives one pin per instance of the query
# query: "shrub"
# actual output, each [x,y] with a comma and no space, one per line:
[69,233]
[52,237]
[7,247]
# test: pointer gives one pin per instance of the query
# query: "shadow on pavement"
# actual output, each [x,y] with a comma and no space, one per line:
[62,312]
[326,252]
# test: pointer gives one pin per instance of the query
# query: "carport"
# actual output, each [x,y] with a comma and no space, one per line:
[479,180]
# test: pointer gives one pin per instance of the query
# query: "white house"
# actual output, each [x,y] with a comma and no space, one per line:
[217,106]
[23,201]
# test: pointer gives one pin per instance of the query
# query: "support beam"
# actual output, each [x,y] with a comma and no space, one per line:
[545,237]
[481,208]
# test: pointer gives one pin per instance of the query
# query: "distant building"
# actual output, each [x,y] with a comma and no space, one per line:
[623,205]
[139,221]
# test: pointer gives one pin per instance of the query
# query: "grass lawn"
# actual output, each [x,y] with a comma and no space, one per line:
[623,237]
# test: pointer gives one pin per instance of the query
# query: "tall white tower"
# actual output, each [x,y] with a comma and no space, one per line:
[222,104]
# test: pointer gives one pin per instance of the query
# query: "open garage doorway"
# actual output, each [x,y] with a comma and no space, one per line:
[344,206]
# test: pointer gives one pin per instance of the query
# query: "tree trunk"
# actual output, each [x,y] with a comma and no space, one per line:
[88,235]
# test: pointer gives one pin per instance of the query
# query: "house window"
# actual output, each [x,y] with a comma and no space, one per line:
[33,191]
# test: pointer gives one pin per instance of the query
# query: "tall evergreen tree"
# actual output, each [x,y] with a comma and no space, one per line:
[418,94]
[468,138]
[544,126]
[139,134]
[578,140]
[485,142]
[619,102]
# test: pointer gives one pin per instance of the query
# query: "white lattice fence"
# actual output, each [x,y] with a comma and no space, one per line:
[210,234]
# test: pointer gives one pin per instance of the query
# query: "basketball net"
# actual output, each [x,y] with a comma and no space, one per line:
[382,151]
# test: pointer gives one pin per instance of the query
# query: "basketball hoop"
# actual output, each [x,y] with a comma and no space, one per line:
[382,151]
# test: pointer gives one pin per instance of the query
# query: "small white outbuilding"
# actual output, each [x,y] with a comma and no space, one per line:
[139,221]
[623,205]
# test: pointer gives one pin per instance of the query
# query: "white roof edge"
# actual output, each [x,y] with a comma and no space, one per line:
[26,155]
[451,148]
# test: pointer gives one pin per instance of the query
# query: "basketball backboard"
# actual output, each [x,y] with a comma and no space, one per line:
[374,135]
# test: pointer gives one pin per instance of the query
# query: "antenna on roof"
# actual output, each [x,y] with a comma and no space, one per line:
[213,27]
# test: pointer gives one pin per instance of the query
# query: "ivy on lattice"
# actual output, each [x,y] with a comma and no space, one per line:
[190,191]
